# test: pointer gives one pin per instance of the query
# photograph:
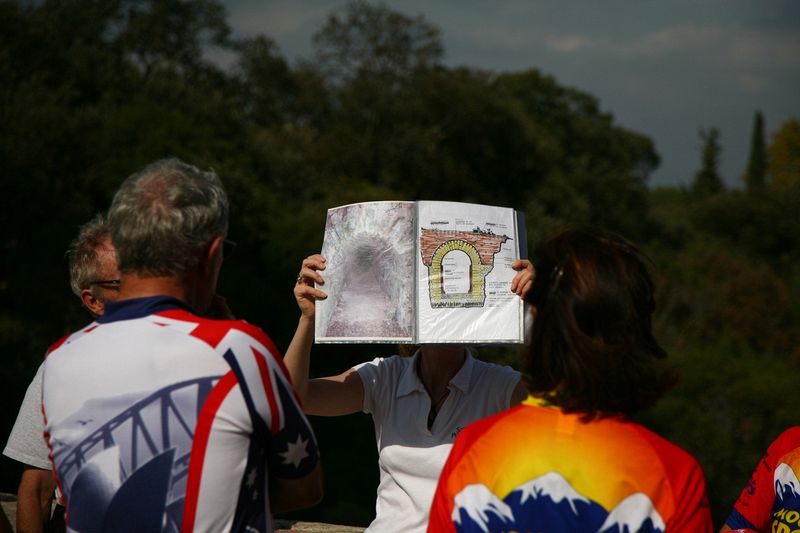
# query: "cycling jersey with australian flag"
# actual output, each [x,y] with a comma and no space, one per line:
[160,420]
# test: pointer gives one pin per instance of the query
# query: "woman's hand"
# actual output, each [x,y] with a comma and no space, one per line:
[523,279]
[305,292]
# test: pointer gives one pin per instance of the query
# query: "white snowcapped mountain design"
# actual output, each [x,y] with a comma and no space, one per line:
[631,514]
[553,485]
[786,483]
[478,501]
[549,503]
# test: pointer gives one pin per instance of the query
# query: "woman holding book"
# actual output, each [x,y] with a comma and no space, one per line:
[418,403]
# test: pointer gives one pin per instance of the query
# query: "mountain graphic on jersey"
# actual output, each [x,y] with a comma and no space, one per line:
[786,483]
[787,495]
[550,504]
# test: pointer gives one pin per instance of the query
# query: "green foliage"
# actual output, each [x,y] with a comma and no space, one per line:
[730,404]
[367,41]
[727,275]
[707,180]
[784,157]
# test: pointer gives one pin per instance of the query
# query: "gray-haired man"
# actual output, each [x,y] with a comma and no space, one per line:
[196,414]
[94,279]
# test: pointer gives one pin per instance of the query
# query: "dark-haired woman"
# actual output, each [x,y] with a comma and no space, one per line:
[570,458]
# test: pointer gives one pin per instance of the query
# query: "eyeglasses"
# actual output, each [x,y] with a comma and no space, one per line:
[228,246]
[107,283]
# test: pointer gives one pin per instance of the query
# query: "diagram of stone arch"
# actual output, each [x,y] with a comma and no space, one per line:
[451,282]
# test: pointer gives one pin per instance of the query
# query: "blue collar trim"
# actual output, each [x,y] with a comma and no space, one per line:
[141,307]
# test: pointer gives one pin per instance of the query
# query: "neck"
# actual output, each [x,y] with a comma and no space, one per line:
[438,365]
[139,286]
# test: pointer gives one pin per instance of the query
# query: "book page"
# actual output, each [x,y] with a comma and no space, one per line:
[464,274]
[369,275]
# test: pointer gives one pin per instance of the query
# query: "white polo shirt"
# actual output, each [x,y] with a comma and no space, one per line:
[410,456]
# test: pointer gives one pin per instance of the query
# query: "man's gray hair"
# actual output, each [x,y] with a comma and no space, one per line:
[163,218]
[82,254]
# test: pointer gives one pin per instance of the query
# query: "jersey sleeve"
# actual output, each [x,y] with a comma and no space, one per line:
[275,411]
[293,450]
[692,509]
[688,484]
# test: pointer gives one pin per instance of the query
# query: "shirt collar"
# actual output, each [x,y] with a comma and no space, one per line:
[410,381]
[131,308]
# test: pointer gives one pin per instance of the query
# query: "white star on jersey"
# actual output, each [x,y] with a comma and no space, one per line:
[295,452]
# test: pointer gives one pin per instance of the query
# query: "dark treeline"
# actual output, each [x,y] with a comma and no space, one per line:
[91,91]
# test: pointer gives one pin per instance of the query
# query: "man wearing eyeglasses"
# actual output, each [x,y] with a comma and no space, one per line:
[94,276]
[158,417]
[94,279]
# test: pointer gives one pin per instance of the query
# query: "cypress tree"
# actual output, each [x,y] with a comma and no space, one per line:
[755,175]
[707,180]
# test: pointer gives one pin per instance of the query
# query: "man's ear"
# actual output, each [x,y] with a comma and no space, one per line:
[211,252]
[534,310]
[93,304]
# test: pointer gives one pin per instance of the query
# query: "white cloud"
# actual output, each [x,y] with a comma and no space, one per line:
[278,19]
[674,40]
[730,45]
[569,44]
[753,84]
[777,49]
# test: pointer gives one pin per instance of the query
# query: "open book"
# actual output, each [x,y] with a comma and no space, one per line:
[421,272]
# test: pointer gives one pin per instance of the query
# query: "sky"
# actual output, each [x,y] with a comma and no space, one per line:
[663,68]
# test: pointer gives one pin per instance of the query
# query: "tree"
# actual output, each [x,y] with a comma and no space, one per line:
[580,166]
[755,174]
[366,40]
[784,156]
[169,33]
[707,180]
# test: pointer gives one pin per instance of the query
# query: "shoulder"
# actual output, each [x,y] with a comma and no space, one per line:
[394,364]
[484,428]
[492,376]
[381,378]
[254,332]
[674,459]
[786,441]
[213,332]
[492,369]
[66,339]
[56,345]
[787,444]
